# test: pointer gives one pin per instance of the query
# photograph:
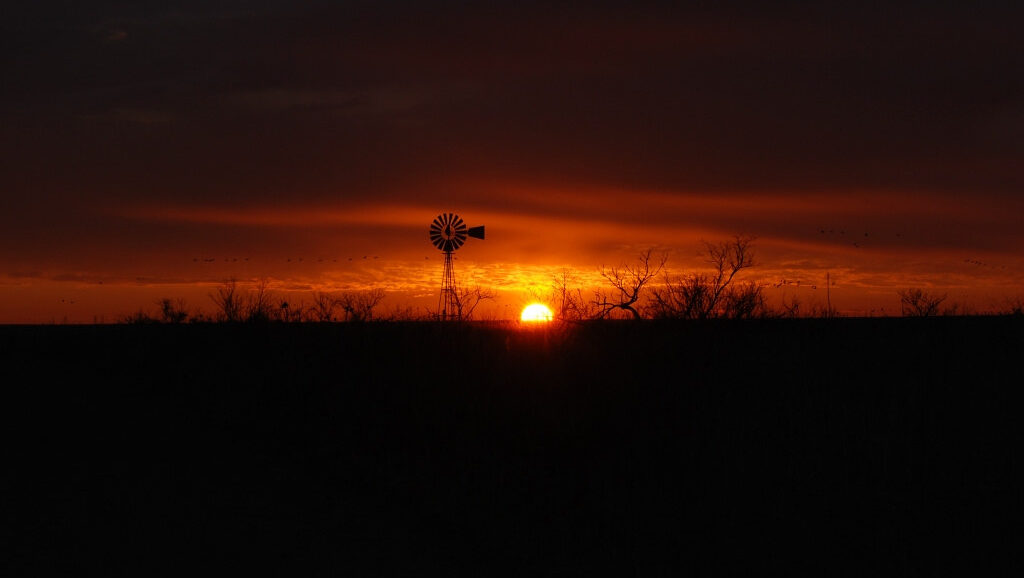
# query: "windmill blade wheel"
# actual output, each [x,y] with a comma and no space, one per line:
[448,232]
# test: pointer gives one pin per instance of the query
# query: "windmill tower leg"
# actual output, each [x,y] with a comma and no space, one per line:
[447,305]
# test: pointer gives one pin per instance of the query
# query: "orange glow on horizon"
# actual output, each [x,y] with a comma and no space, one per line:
[548,235]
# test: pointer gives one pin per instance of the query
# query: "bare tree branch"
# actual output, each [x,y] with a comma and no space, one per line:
[628,283]
[228,301]
[918,303]
[467,300]
[359,305]
[710,295]
[570,304]
[259,303]
[324,306]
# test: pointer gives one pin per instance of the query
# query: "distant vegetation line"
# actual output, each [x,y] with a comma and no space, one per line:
[643,289]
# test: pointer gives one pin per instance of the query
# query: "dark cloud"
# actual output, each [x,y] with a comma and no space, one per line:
[267,97]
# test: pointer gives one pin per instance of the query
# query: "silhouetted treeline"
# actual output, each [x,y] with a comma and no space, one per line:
[638,290]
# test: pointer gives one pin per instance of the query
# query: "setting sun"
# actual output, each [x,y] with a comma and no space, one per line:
[536,312]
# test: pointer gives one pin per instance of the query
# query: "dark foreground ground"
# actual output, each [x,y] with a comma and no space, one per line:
[843,447]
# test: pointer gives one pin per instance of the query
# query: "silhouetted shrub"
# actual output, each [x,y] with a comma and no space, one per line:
[712,295]
[628,284]
[359,305]
[172,311]
[918,303]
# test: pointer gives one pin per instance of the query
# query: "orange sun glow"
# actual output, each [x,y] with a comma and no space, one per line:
[536,312]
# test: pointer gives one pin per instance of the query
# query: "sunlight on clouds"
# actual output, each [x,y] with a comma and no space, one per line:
[536,233]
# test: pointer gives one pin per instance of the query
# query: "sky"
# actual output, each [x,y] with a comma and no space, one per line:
[159,149]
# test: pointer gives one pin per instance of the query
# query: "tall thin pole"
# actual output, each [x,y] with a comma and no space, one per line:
[828,293]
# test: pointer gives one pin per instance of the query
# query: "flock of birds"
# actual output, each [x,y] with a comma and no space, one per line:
[842,233]
[978,263]
[797,284]
[861,237]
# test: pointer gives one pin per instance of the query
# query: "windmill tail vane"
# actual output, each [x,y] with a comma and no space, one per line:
[448,232]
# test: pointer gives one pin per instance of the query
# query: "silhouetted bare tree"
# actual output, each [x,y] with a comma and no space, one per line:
[744,301]
[709,295]
[229,302]
[467,300]
[324,306]
[259,306]
[289,311]
[359,305]
[568,299]
[403,313]
[1013,306]
[918,303]
[791,308]
[627,283]
[233,305]
[172,311]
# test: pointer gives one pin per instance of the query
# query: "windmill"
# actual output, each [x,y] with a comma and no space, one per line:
[448,232]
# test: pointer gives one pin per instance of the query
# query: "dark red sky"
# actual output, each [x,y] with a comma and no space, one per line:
[141,140]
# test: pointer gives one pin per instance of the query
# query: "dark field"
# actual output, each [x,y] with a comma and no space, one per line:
[824,447]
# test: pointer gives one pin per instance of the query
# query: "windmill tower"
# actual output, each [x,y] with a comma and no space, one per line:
[448,232]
